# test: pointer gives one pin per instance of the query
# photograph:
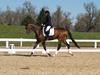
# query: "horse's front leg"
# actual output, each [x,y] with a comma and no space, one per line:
[36,43]
[44,46]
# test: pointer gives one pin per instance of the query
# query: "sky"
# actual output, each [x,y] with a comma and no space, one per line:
[75,7]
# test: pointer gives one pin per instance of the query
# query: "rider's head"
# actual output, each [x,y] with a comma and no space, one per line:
[47,13]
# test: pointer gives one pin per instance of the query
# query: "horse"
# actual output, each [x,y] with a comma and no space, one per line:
[59,33]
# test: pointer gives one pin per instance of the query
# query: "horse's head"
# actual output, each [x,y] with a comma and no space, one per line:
[32,28]
[29,28]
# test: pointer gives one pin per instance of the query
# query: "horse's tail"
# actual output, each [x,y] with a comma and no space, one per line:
[70,35]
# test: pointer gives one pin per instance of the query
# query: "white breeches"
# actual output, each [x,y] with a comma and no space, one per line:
[48,28]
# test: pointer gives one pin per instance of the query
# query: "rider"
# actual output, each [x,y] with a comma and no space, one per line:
[47,23]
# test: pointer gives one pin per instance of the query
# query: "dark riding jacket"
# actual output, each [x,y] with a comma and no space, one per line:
[47,21]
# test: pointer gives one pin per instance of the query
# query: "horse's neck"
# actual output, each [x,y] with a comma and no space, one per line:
[37,30]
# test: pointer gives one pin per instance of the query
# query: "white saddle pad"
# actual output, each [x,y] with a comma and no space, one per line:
[51,32]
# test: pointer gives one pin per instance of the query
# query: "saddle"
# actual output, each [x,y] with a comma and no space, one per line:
[48,31]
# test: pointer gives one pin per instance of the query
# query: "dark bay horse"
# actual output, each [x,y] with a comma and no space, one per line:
[59,33]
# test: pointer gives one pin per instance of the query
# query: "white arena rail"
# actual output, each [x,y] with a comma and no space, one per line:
[21,40]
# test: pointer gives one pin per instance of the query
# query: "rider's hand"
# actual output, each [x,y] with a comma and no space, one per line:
[42,25]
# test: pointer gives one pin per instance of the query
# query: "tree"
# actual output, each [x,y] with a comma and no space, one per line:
[66,20]
[41,17]
[61,19]
[27,20]
[91,10]
[97,21]
[29,8]
[57,17]
[87,21]
[15,17]
[81,24]
[8,16]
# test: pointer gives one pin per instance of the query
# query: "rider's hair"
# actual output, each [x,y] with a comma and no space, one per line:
[47,12]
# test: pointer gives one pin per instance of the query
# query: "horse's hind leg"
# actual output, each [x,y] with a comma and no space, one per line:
[58,48]
[68,46]
[44,46]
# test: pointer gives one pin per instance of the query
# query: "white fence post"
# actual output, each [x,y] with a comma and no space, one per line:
[95,44]
[7,44]
[21,43]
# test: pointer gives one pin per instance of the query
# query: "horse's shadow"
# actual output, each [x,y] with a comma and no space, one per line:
[24,55]
[35,55]
[39,55]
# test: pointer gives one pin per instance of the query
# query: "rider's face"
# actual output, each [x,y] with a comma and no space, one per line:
[46,14]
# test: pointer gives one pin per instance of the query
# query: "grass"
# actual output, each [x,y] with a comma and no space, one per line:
[86,35]
[16,31]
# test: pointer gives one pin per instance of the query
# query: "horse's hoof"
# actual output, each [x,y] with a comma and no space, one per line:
[31,54]
[72,54]
[53,55]
[49,54]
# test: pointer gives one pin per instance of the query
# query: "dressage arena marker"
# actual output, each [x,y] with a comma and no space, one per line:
[11,47]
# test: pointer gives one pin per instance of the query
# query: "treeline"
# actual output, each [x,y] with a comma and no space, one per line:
[86,22]
[90,20]
[16,17]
